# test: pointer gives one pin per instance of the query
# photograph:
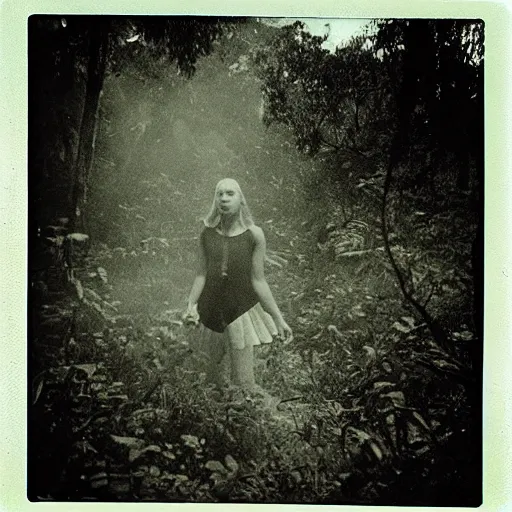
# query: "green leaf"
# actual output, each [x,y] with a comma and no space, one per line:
[464,335]
[79,288]
[38,391]
[399,327]
[55,240]
[217,477]
[136,453]
[90,368]
[140,472]
[98,480]
[191,441]
[335,330]
[231,463]
[131,442]
[370,351]
[78,237]
[92,296]
[409,320]
[376,450]
[445,365]
[397,397]
[380,385]
[297,477]
[360,435]
[155,471]
[103,274]
[387,367]
[216,466]
[336,408]
[420,420]
[121,398]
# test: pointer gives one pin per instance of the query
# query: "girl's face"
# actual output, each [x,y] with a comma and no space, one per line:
[228,197]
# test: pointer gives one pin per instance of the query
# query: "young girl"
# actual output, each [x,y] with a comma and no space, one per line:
[230,294]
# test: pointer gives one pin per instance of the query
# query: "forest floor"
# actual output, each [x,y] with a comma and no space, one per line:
[355,417]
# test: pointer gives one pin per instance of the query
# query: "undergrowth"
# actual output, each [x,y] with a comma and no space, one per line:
[363,407]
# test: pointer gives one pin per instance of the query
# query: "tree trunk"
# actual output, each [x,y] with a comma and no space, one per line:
[98,47]
[438,333]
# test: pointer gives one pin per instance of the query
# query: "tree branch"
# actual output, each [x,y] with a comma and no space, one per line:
[435,328]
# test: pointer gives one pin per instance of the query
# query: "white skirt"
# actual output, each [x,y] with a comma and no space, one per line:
[254,327]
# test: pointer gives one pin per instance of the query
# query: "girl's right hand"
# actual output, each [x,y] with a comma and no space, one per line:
[191,316]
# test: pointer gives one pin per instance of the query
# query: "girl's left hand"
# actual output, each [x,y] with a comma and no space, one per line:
[284,331]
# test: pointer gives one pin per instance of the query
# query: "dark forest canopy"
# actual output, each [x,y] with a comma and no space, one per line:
[68,58]
[423,77]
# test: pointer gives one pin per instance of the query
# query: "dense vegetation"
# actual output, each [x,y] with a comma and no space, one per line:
[364,167]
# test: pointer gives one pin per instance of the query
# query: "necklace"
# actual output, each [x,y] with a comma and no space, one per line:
[225,255]
[225,249]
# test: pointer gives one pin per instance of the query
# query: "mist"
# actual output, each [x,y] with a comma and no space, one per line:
[163,144]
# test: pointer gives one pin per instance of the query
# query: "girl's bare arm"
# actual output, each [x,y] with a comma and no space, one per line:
[199,280]
[261,286]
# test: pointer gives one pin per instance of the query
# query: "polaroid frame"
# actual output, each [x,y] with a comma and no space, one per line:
[498,263]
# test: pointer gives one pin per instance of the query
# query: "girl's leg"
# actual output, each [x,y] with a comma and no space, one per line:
[242,367]
[215,373]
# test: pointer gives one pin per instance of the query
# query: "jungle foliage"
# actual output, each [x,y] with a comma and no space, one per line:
[367,175]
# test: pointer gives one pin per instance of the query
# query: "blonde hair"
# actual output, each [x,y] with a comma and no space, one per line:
[213,218]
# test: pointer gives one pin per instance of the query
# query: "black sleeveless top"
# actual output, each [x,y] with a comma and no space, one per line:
[228,292]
